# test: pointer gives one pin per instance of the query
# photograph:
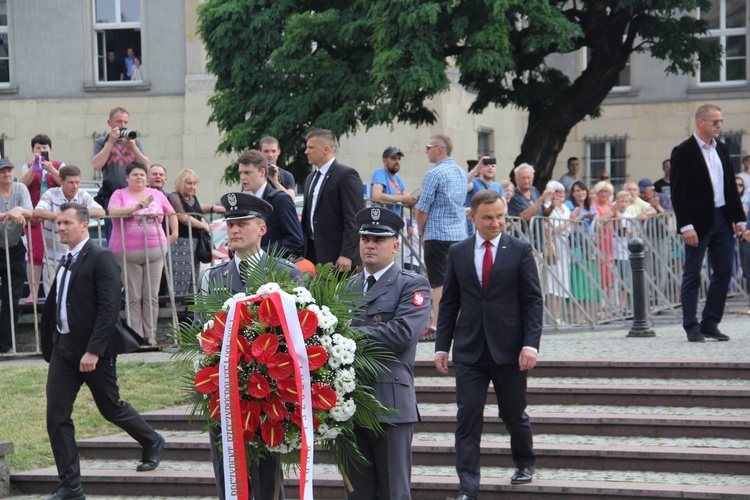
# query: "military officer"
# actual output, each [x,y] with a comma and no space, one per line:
[245,217]
[396,311]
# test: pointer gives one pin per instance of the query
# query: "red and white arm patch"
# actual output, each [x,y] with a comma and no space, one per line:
[418,299]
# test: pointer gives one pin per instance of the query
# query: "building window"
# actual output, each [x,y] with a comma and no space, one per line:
[727,28]
[486,142]
[4,44]
[733,141]
[624,79]
[607,154]
[117,30]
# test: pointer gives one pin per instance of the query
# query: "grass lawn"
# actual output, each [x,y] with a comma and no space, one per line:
[146,386]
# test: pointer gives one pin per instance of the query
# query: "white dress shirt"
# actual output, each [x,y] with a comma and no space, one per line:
[61,299]
[316,189]
[378,274]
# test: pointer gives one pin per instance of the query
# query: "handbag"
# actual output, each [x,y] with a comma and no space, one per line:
[204,248]
[551,254]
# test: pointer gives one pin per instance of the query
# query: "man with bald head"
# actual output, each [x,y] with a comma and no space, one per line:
[709,211]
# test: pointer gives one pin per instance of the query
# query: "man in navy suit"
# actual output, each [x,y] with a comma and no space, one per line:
[706,219]
[284,235]
[491,312]
[333,197]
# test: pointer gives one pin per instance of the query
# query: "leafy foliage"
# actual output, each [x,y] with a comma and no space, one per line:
[284,67]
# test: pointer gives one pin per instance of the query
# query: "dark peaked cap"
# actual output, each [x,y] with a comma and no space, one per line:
[377,221]
[245,206]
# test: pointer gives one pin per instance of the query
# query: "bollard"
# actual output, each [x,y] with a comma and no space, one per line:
[640,326]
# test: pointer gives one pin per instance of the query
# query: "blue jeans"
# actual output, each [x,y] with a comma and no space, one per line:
[719,242]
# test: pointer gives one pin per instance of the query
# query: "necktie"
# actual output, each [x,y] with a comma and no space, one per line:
[370,282]
[486,265]
[60,297]
[310,195]
[244,270]
[314,183]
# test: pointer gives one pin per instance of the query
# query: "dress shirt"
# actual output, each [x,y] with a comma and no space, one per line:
[316,189]
[442,199]
[261,191]
[378,274]
[253,260]
[64,327]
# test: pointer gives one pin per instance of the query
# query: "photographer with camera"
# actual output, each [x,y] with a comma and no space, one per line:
[114,152]
[280,179]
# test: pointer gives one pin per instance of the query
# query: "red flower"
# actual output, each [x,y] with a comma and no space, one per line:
[214,407]
[280,366]
[323,397]
[309,323]
[220,322]
[210,342]
[258,386]
[264,347]
[250,418]
[243,347]
[296,417]
[316,357]
[274,408]
[267,313]
[246,317]
[207,380]
[288,390]
[272,432]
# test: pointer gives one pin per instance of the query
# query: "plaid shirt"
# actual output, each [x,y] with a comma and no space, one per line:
[442,198]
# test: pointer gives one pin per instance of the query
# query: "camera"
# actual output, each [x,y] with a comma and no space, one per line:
[490,161]
[272,169]
[128,134]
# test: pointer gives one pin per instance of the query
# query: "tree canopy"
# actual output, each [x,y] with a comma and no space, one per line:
[286,66]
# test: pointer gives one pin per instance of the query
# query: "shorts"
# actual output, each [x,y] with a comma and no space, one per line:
[436,260]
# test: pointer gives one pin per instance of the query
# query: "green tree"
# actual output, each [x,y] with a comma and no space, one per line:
[286,66]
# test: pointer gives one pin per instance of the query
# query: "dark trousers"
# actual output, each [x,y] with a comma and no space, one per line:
[262,476]
[64,380]
[10,292]
[472,383]
[719,243]
[389,475]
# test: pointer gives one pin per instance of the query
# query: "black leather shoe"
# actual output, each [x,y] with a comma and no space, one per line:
[523,476]
[151,456]
[63,493]
[696,337]
[465,497]
[715,334]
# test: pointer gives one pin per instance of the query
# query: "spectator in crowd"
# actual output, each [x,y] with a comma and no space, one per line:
[129,62]
[48,208]
[744,192]
[508,188]
[527,202]
[745,174]
[660,202]
[585,268]
[638,208]
[185,202]
[112,154]
[139,243]
[157,178]
[707,206]
[15,210]
[604,212]
[558,232]
[491,280]
[482,176]
[115,70]
[333,197]
[387,186]
[38,176]
[744,243]
[440,216]
[395,311]
[662,185]
[567,180]
[136,74]
[280,179]
[284,232]
[603,176]
[623,230]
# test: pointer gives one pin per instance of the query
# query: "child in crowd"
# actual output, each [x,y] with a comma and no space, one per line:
[623,231]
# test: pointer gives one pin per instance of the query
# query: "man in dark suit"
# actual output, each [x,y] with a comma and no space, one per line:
[706,203]
[396,310]
[491,311]
[80,342]
[333,196]
[246,217]
[284,232]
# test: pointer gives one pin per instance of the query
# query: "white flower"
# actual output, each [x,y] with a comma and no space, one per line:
[345,374]
[338,338]
[303,296]
[326,342]
[337,351]
[208,325]
[239,295]
[325,432]
[343,387]
[344,410]
[268,289]
[347,358]
[334,362]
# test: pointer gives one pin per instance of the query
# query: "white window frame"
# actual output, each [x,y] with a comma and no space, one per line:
[108,26]
[4,31]
[722,33]
[584,62]
[490,134]
[608,159]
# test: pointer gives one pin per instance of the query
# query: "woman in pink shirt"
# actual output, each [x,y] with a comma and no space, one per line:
[139,243]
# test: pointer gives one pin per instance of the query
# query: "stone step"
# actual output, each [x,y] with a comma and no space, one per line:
[597,421]
[692,369]
[613,394]
[112,478]
[428,450]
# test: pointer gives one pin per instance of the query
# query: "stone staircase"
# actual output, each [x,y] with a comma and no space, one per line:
[603,430]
